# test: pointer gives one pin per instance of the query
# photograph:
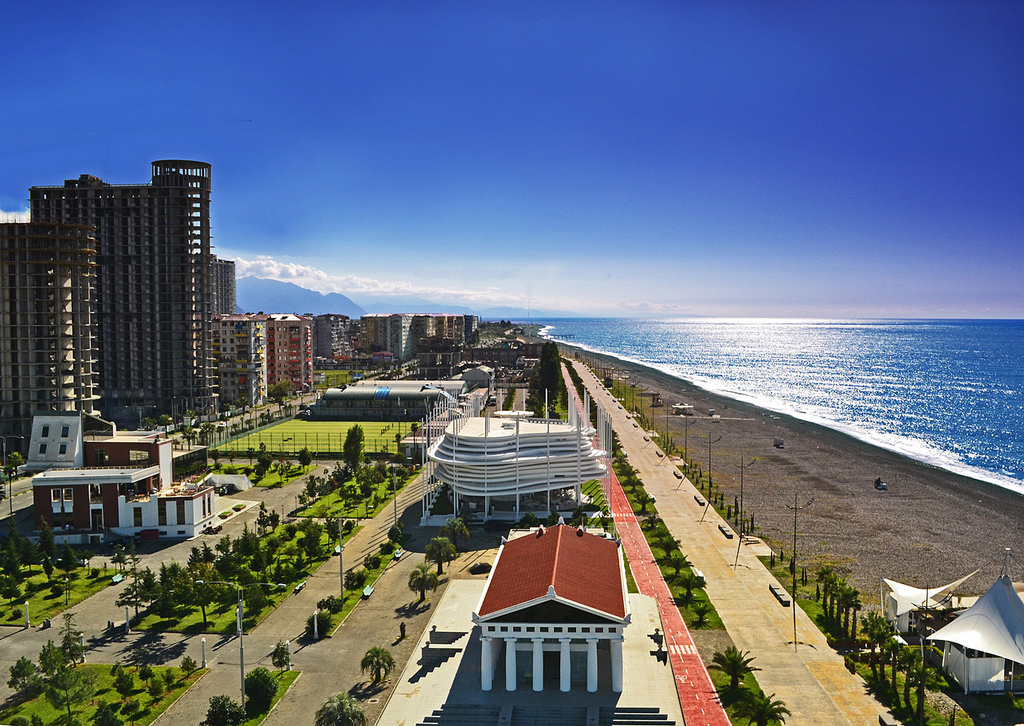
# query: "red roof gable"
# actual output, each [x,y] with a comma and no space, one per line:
[583,568]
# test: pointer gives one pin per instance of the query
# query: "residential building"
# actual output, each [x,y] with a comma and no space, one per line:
[290,350]
[47,344]
[240,352]
[332,336]
[153,296]
[223,287]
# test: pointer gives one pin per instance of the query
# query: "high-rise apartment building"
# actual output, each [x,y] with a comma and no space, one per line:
[332,335]
[223,287]
[47,349]
[240,350]
[153,286]
[290,350]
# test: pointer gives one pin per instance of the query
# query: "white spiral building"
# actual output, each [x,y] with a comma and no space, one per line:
[499,468]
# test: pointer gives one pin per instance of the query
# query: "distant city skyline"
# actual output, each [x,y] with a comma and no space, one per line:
[847,159]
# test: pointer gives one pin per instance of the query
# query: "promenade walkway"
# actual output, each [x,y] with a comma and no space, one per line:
[697,695]
[809,677]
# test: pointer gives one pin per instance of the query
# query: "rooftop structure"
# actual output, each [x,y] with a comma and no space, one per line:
[382,400]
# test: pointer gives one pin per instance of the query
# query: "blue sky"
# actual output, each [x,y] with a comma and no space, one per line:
[824,159]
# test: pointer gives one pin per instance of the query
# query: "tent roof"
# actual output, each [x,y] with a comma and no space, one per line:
[994,624]
[910,598]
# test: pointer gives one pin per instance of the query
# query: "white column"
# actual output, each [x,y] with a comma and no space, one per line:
[510,664]
[617,664]
[591,664]
[565,673]
[538,664]
[486,662]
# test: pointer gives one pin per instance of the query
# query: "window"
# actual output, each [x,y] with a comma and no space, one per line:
[68,494]
[136,516]
[138,456]
[65,431]
[161,513]
[180,512]
[63,449]
[55,495]
[42,448]
[45,432]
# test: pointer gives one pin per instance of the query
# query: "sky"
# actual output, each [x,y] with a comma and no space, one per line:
[808,159]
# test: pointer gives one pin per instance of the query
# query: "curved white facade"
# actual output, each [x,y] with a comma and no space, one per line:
[497,458]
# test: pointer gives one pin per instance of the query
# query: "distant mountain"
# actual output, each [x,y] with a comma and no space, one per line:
[255,294]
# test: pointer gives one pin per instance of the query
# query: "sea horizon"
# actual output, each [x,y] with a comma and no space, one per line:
[943,391]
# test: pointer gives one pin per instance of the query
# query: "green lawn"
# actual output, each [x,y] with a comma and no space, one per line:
[149,708]
[320,437]
[334,505]
[43,603]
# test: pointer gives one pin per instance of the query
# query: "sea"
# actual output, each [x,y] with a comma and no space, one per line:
[946,392]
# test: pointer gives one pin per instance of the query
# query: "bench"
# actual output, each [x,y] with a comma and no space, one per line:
[398,553]
[726,531]
[298,588]
[116,579]
[887,720]
[699,575]
[780,594]
[367,591]
[700,500]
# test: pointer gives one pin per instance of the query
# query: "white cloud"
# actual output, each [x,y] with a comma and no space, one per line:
[19,216]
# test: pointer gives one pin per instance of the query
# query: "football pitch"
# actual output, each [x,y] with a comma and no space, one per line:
[320,437]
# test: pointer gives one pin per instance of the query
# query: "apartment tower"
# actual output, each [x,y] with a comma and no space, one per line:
[153,286]
[47,349]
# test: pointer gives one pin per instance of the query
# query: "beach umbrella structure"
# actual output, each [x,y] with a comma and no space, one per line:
[902,601]
[984,647]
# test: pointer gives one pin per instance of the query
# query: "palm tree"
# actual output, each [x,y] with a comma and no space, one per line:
[379,662]
[760,708]
[700,611]
[440,550]
[678,561]
[423,578]
[340,709]
[454,528]
[690,582]
[908,661]
[892,649]
[643,499]
[733,663]
[877,631]
[652,522]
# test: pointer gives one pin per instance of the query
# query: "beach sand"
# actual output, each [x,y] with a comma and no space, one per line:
[930,528]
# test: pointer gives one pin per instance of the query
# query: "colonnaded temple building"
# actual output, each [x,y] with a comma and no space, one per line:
[555,602]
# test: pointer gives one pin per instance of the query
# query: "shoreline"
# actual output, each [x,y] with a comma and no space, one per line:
[933,526]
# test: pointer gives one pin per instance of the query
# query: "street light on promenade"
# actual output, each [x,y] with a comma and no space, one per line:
[240,614]
[740,513]
[792,567]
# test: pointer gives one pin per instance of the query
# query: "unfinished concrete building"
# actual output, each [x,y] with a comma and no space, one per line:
[153,286]
[47,348]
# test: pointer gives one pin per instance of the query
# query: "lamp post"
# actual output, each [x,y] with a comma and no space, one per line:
[240,614]
[792,568]
[740,513]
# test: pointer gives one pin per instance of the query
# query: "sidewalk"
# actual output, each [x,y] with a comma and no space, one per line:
[813,681]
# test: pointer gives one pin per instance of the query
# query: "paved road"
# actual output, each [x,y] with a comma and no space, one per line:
[813,682]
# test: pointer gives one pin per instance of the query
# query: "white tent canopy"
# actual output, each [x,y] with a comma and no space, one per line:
[994,624]
[909,598]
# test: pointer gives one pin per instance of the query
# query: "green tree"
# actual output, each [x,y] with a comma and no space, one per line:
[280,657]
[340,709]
[454,528]
[260,689]
[877,631]
[10,588]
[352,449]
[71,639]
[761,709]
[69,688]
[440,550]
[305,457]
[733,663]
[189,665]
[379,662]
[47,543]
[224,711]
[124,683]
[423,578]
[105,715]
[24,678]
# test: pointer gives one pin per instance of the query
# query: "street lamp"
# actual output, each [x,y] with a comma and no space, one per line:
[792,567]
[740,513]
[240,613]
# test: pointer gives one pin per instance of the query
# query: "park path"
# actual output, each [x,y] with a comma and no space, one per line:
[697,696]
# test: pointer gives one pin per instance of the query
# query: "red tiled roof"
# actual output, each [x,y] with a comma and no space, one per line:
[584,569]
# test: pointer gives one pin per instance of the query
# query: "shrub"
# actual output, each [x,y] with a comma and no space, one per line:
[260,687]
[386,548]
[371,561]
[189,665]
[324,620]
[355,580]
[223,711]
[331,604]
